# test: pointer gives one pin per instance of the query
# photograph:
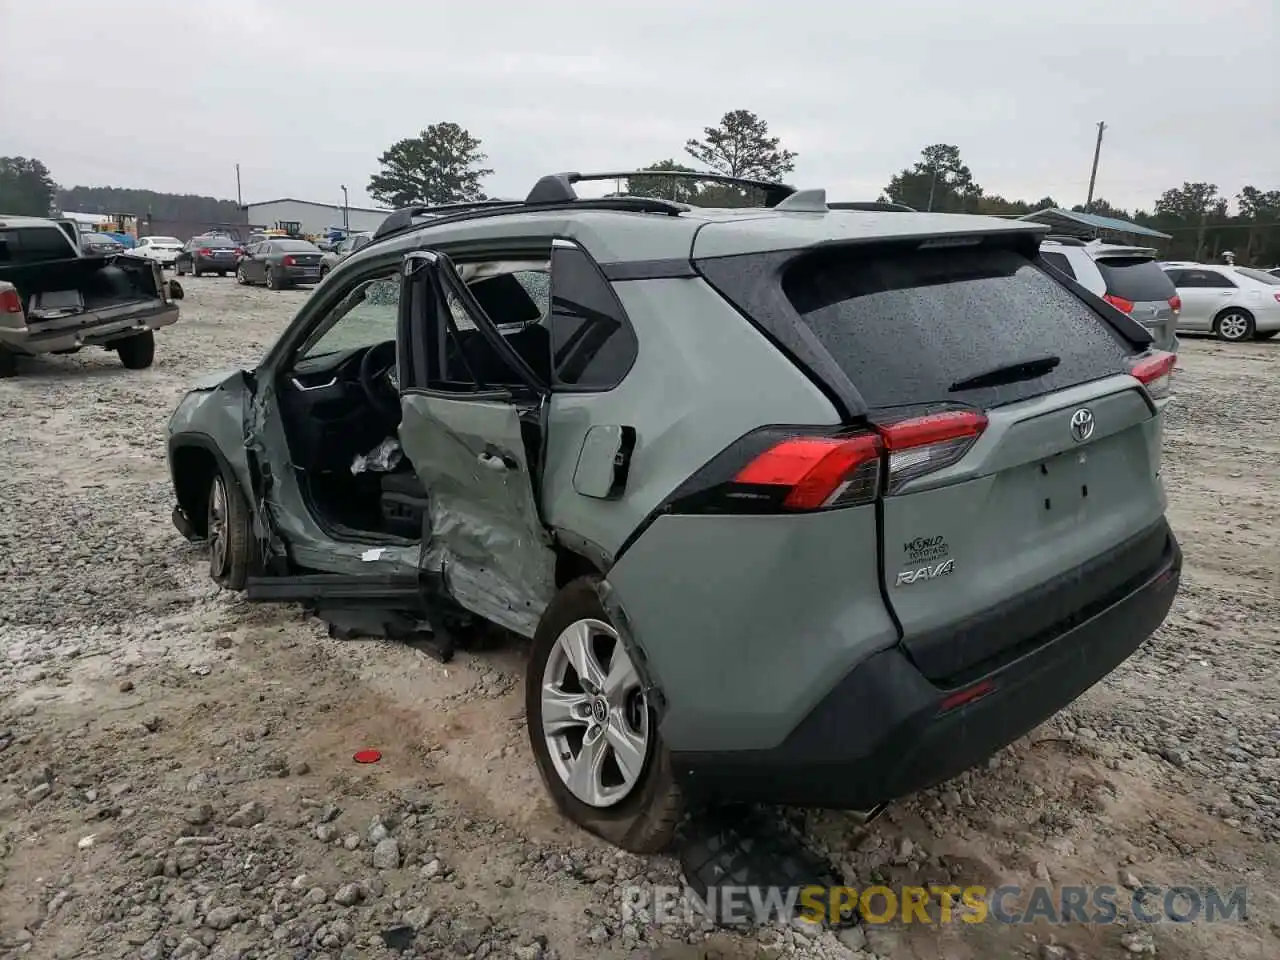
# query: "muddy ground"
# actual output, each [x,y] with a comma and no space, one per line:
[176,775]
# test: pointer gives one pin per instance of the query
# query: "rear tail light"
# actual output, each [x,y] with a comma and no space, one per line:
[924,444]
[205,252]
[781,470]
[288,261]
[10,302]
[1176,303]
[1155,372]
[1120,303]
[1277,296]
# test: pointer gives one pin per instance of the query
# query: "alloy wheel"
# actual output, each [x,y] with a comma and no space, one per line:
[1233,326]
[217,526]
[595,716]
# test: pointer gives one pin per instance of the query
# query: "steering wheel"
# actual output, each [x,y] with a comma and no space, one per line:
[377,377]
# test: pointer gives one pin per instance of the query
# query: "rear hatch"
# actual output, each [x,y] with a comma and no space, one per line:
[1019,473]
[1137,286]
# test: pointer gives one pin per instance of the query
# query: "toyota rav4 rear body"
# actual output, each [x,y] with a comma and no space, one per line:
[956,531]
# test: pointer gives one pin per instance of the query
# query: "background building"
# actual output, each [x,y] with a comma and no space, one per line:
[312,218]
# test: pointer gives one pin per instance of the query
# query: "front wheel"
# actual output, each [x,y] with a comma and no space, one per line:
[137,352]
[1234,325]
[593,733]
[229,531]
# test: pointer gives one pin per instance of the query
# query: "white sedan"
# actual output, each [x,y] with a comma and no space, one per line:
[164,250]
[1233,303]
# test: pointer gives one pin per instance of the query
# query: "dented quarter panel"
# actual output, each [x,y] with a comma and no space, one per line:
[213,413]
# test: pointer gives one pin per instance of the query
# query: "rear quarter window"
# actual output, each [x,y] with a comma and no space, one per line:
[1135,278]
[907,325]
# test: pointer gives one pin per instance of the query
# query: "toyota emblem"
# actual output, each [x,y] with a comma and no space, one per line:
[1082,425]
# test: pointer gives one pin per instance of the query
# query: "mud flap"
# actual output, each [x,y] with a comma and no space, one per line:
[485,535]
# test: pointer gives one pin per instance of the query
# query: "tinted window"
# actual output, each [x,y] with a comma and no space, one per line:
[1135,278]
[592,344]
[1060,262]
[1260,275]
[906,326]
[296,246]
[33,244]
[1203,278]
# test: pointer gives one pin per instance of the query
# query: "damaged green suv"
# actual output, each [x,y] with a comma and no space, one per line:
[797,504]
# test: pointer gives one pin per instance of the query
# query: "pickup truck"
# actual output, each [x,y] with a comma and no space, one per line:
[56,299]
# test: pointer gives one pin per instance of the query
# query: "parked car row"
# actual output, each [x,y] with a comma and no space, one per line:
[1233,303]
[1169,297]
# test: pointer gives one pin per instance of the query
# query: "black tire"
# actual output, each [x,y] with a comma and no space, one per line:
[1265,335]
[241,278]
[195,271]
[222,273]
[324,271]
[232,547]
[1234,325]
[645,820]
[272,282]
[137,352]
[177,269]
[8,363]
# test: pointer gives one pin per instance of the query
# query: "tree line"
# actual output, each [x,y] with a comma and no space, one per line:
[444,163]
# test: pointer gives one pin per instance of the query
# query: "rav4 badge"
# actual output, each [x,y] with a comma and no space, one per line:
[927,572]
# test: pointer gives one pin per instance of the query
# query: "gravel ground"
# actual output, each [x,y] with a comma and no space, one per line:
[175,764]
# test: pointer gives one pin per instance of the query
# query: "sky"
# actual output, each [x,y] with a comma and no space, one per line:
[171,96]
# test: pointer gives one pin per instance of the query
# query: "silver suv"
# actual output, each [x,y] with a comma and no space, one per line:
[792,504]
[1128,278]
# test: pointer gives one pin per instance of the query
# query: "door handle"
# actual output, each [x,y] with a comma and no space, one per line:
[492,462]
[298,384]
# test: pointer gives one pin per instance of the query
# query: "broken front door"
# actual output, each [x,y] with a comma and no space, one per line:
[471,412]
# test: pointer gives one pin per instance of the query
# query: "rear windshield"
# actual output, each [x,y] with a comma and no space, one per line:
[1260,275]
[33,244]
[295,246]
[1139,279]
[907,327]
[216,243]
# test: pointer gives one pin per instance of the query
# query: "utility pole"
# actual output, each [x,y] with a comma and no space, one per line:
[1093,174]
[239,201]
[346,220]
[932,184]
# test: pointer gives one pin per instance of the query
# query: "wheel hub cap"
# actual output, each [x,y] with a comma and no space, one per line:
[595,717]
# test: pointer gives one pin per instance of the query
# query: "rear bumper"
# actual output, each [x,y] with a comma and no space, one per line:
[216,266]
[88,329]
[300,274]
[883,732]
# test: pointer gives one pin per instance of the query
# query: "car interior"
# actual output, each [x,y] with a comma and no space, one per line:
[340,403]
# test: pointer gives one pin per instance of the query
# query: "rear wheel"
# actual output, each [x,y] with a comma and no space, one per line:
[240,277]
[1233,325]
[273,282]
[8,363]
[137,352]
[229,533]
[594,735]
[195,270]
[222,273]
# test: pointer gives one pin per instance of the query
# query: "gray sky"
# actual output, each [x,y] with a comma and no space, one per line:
[305,96]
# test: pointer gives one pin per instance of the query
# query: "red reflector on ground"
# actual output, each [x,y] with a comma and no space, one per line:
[967,695]
[367,756]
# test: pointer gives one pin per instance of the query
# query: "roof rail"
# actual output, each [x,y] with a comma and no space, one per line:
[398,219]
[882,205]
[558,187]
